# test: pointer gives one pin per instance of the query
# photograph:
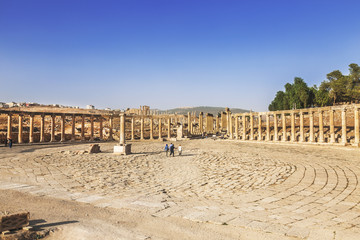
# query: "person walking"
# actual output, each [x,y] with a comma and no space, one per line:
[10,142]
[172,147]
[180,150]
[166,149]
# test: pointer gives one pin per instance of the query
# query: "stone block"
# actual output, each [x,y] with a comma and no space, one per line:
[122,149]
[94,148]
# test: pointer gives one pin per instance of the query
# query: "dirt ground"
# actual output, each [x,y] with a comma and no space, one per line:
[217,189]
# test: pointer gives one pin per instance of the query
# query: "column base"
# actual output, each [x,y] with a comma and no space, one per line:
[122,149]
[356,144]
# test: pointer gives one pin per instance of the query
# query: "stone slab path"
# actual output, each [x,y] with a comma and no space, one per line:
[309,192]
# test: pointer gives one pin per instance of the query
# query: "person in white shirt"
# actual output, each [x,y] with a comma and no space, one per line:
[180,150]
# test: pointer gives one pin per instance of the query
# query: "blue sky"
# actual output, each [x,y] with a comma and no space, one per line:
[170,53]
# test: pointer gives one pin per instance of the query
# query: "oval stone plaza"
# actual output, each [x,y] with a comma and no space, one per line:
[256,175]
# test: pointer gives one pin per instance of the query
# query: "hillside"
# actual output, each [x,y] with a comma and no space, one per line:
[205,109]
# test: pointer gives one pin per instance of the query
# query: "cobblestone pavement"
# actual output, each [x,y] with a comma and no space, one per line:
[300,191]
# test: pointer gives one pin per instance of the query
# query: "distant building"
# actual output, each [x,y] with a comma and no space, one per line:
[3,105]
[12,104]
[90,107]
[108,109]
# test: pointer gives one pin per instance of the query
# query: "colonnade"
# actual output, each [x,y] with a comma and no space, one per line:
[53,117]
[332,125]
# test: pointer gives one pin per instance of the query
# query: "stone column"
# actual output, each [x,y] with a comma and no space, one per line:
[251,126]
[302,136]
[142,128]
[169,128]
[276,136]
[111,128]
[52,136]
[122,129]
[259,128]
[343,126]
[356,127]
[311,115]
[231,126]
[73,127]
[31,132]
[132,128]
[9,126]
[101,128]
[82,127]
[91,128]
[283,121]
[236,127]
[189,123]
[42,128]
[292,126]
[151,128]
[217,124]
[267,127]
[332,127]
[201,122]
[244,127]
[20,137]
[160,129]
[62,128]
[321,126]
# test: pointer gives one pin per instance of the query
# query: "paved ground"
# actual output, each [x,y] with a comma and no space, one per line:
[288,190]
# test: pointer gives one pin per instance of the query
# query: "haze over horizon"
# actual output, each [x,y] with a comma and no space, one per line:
[169,54]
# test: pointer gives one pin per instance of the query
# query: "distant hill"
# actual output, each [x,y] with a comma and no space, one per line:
[204,109]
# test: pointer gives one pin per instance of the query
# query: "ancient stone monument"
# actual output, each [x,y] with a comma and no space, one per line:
[122,148]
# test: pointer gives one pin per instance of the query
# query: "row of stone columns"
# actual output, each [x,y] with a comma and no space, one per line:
[52,127]
[248,118]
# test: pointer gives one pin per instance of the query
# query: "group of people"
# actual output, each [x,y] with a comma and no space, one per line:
[171,148]
[8,142]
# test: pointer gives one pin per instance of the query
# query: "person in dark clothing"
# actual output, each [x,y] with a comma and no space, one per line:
[10,142]
[172,147]
[166,149]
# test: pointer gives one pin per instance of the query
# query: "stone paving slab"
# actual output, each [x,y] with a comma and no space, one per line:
[303,192]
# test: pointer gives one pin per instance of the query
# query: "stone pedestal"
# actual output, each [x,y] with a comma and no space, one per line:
[122,149]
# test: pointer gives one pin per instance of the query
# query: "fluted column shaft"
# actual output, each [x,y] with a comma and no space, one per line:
[62,128]
[111,128]
[321,126]
[332,127]
[82,127]
[251,126]
[236,127]
[343,126]
[244,126]
[52,135]
[356,127]
[189,123]
[169,128]
[31,132]
[101,128]
[42,128]
[259,128]
[302,138]
[276,136]
[9,126]
[20,137]
[311,116]
[91,127]
[160,128]
[151,128]
[293,126]
[267,127]
[122,129]
[132,128]
[142,128]
[283,121]
[73,127]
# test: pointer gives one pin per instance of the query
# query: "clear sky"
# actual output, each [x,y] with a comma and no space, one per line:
[171,53]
